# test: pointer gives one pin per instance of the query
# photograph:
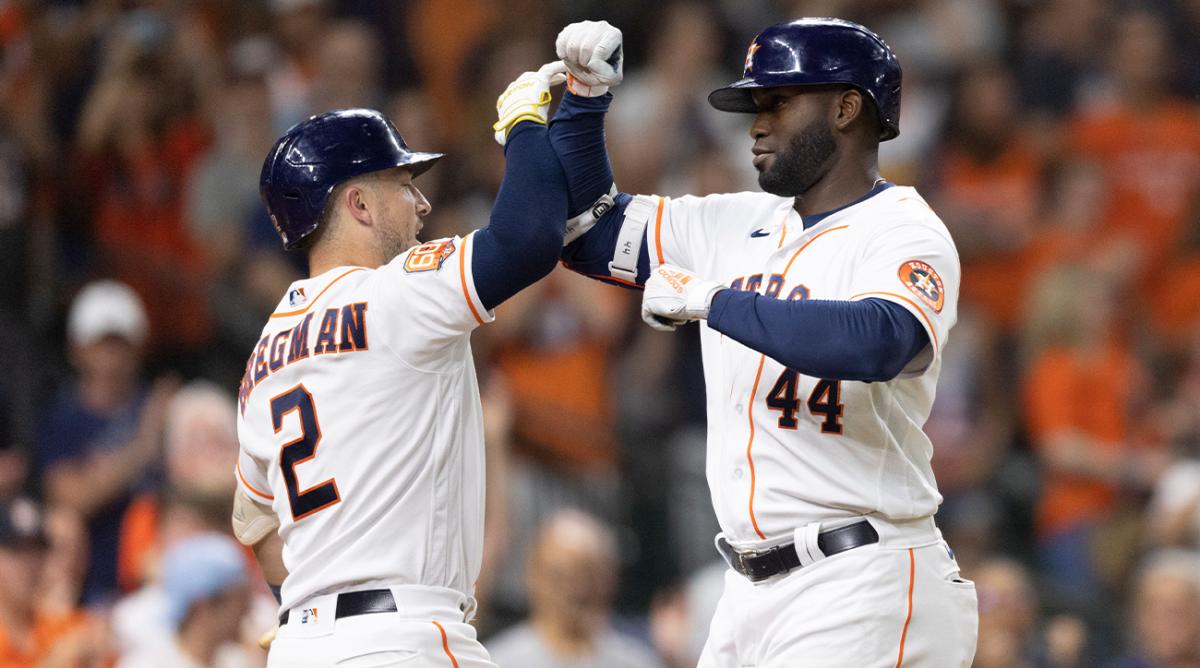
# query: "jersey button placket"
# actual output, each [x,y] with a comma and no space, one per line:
[776,263]
[734,448]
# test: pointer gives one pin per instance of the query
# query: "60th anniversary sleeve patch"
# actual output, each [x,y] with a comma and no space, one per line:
[429,256]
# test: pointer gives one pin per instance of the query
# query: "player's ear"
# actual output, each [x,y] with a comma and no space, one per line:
[849,106]
[356,199]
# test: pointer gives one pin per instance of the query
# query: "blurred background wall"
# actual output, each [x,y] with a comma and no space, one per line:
[1058,139]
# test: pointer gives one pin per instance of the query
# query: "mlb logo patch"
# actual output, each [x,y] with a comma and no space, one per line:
[307,615]
[297,297]
[924,282]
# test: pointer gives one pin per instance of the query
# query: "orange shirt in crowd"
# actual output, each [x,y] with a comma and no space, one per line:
[147,529]
[1176,307]
[48,631]
[1003,191]
[139,228]
[557,366]
[1067,392]
[560,397]
[139,541]
[444,34]
[13,22]
[1151,159]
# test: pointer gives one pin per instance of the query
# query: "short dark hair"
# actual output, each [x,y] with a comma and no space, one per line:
[326,217]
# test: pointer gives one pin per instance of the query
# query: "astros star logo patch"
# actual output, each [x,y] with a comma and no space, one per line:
[924,282]
[754,47]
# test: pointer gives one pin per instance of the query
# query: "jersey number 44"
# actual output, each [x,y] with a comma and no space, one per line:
[824,401]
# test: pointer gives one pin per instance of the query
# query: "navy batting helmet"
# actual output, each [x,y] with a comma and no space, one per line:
[819,51]
[315,155]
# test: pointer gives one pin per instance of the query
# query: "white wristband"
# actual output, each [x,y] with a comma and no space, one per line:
[579,225]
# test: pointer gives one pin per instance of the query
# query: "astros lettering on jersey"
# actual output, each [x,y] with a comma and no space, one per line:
[786,449]
[360,425]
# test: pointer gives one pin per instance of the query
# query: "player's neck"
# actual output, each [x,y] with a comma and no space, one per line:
[323,258]
[847,181]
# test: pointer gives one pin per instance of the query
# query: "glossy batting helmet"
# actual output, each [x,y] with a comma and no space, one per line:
[817,52]
[315,155]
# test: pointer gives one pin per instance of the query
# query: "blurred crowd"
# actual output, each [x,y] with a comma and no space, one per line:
[1058,139]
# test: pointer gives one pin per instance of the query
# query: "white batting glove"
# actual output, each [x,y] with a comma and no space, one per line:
[673,296]
[593,54]
[527,98]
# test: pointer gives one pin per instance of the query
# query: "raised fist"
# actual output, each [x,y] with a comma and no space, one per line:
[593,55]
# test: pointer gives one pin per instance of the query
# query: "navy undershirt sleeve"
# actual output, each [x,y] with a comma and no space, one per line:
[577,134]
[590,254]
[524,237]
[868,340]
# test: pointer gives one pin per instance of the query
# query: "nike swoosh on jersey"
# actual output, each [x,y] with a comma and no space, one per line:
[759,233]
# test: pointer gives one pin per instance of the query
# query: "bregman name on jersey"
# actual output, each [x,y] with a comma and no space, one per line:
[342,330]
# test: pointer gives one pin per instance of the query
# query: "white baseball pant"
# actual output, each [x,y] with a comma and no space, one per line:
[899,603]
[428,630]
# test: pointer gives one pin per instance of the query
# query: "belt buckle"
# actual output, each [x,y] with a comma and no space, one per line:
[744,560]
[758,565]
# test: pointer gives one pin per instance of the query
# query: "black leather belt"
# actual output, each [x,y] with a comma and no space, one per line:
[353,603]
[758,565]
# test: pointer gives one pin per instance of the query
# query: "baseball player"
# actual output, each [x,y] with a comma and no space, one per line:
[360,475]
[827,300]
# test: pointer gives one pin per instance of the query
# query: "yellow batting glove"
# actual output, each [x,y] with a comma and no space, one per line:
[527,98]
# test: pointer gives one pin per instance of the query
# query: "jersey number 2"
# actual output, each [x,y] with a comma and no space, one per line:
[319,496]
[825,400]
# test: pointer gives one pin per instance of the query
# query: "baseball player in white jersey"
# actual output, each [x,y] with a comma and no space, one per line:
[359,413]
[827,301]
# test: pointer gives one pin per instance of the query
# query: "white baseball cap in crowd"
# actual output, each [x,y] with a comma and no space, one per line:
[104,308]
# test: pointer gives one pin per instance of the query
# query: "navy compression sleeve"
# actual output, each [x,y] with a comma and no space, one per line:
[590,254]
[522,241]
[577,134]
[868,340]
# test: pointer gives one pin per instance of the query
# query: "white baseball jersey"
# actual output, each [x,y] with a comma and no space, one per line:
[785,449]
[360,424]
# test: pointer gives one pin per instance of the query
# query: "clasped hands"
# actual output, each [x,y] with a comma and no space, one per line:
[591,62]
